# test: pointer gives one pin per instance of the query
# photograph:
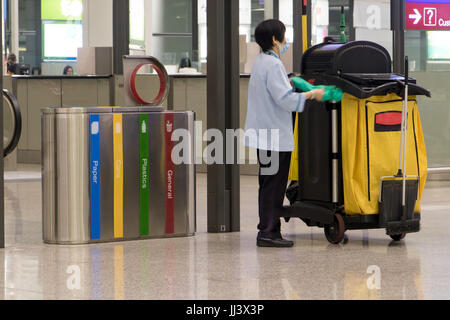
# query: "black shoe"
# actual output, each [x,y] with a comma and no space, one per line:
[274,243]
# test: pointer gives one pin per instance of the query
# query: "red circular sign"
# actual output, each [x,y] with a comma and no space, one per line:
[162,81]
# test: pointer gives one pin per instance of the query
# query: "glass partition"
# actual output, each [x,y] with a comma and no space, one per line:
[251,13]
[61,34]
[29,44]
[365,20]
[372,22]
[286,13]
[172,30]
[429,54]
[137,26]
[44,35]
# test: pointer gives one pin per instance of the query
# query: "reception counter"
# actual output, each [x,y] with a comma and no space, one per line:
[36,92]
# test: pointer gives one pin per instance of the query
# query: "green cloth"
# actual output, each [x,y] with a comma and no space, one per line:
[331,92]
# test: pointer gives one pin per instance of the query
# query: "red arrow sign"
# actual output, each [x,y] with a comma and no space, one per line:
[427,16]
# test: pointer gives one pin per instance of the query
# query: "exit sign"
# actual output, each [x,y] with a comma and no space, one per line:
[427,15]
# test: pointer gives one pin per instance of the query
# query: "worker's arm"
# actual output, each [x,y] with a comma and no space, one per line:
[284,95]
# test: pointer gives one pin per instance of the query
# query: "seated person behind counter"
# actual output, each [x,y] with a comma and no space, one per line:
[14,68]
[12,65]
[68,71]
[186,67]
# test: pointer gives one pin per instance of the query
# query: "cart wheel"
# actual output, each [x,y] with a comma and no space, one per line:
[398,237]
[335,233]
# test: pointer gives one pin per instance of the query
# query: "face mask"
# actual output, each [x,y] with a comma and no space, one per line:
[284,48]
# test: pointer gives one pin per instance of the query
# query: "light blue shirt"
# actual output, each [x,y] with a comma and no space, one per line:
[271,102]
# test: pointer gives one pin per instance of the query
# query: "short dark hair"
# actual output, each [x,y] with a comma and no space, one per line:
[12,57]
[268,29]
[185,63]
[66,69]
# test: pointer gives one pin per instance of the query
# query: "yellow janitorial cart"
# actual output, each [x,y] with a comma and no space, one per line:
[348,169]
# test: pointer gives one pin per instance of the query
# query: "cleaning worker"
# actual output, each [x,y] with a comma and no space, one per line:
[271,102]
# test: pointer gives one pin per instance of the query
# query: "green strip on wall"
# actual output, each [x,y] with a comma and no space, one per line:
[144,173]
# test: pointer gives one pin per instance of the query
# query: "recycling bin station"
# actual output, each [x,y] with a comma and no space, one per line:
[108,175]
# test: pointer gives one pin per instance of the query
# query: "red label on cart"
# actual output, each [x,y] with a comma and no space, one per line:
[390,121]
[389,118]
[428,15]
[170,174]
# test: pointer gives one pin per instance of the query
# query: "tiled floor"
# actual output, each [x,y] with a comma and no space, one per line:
[226,266]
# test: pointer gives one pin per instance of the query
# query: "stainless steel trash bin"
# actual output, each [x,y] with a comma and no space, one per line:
[108,175]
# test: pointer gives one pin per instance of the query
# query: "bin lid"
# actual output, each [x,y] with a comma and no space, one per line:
[90,110]
[145,109]
[76,110]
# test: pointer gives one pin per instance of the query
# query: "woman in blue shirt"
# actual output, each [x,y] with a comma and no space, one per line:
[271,102]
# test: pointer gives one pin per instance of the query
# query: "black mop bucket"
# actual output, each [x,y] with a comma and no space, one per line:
[393,216]
[399,193]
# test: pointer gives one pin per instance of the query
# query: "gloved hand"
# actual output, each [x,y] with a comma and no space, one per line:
[331,92]
[315,94]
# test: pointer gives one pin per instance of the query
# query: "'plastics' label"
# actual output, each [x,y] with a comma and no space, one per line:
[144,174]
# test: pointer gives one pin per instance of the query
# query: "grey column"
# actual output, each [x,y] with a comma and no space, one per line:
[2,169]
[309,15]
[276,9]
[298,34]
[398,16]
[121,32]
[194,30]
[423,51]
[351,21]
[223,111]
[38,26]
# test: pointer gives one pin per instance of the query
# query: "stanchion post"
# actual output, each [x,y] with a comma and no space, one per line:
[2,169]
[223,112]
[398,17]
[121,33]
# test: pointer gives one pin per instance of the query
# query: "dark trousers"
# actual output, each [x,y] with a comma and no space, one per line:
[272,190]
